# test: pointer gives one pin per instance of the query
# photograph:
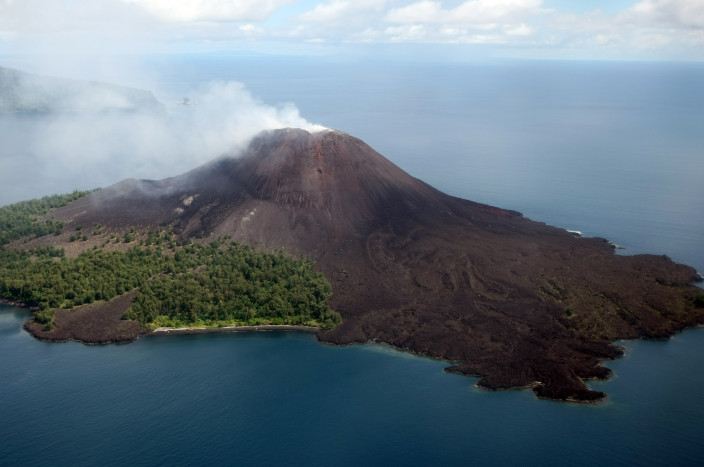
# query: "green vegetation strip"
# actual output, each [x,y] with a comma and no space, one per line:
[191,285]
[20,219]
[200,285]
[234,285]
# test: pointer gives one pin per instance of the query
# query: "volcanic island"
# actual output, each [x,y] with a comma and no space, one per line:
[517,303]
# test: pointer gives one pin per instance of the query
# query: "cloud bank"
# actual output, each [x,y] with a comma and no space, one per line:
[210,10]
[624,29]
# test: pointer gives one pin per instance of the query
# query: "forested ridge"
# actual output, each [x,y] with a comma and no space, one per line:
[21,219]
[192,284]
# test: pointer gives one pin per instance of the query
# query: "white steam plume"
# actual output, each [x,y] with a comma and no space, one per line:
[58,153]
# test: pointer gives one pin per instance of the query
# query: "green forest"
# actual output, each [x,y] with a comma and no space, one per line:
[193,284]
[21,219]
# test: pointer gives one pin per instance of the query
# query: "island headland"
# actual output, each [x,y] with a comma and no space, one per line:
[517,303]
[23,92]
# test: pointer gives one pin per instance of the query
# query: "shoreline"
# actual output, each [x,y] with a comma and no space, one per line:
[261,327]
[35,331]
[11,302]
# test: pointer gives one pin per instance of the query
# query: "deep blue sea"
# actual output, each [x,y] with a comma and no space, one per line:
[611,149]
[279,398]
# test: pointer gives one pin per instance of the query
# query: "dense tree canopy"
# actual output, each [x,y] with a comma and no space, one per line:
[190,284]
[21,219]
[234,285]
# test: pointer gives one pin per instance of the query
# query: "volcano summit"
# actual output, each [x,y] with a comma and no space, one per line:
[516,302]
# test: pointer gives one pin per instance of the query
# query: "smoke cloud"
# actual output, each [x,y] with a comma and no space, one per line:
[60,152]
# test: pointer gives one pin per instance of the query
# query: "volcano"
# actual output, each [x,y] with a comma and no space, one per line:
[515,302]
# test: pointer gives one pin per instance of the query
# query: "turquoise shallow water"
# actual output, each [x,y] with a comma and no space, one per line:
[282,398]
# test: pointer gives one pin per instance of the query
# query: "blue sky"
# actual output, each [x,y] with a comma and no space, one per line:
[585,6]
[544,29]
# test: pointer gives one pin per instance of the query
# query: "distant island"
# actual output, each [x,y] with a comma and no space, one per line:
[515,302]
[27,92]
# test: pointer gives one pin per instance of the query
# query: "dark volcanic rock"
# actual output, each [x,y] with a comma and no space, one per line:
[516,302]
[96,323]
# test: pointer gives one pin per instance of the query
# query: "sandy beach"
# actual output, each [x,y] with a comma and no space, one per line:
[263,327]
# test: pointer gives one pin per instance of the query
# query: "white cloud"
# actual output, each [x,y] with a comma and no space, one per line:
[101,27]
[368,35]
[418,12]
[73,27]
[42,16]
[336,10]
[468,12]
[470,22]
[520,30]
[210,10]
[650,40]
[668,13]
[649,28]
[406,33]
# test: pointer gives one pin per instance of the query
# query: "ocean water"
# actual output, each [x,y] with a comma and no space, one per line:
[612,150]
[277,398]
